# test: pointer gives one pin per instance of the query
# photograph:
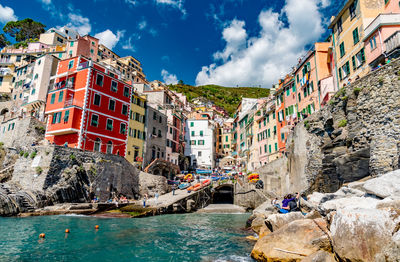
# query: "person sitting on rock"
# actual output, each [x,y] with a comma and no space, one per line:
[293,206]
[285,203]
[275,203]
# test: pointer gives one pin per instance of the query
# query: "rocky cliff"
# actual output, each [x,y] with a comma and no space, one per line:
[355,136]
[47,175]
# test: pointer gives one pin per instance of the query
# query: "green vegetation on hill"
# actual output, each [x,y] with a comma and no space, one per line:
[225,97]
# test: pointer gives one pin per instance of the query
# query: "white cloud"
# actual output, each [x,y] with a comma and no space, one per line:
[262,59]
[168,78]
[153,32]
[46,2]
[128,45]
[108,38]
[132,2]
[79,23]
[179,4]
[142,25]
[7,14]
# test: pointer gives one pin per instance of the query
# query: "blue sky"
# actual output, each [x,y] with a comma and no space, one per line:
[226,42]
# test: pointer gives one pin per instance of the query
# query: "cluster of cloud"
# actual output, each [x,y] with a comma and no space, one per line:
[7,14]
[262,59]
[169,78]
[108,38]
[79,23]
[178,4]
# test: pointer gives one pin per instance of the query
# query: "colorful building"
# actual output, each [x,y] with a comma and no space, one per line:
[280,114]
[136,130]
[88,108]
[382,36]
[348,32]
[311,69]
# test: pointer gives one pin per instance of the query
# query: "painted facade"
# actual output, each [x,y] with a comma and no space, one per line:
[88,108]
[348,32]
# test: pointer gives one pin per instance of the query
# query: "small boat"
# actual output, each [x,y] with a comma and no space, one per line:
[216,178]
[184,186]
[206,182]
[194,188]
[254,180]
[253,176]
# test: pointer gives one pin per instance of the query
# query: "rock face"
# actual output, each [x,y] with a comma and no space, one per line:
[385,185]
[360,234]
[292,242]
[151,184]
[51,175]
[356,135]
[276,221]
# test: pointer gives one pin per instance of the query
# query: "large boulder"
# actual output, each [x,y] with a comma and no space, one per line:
[348,203]
[320,256]
[276,221]
[257,223]
[292,242]
[151,184]
[360,234]
[387,185]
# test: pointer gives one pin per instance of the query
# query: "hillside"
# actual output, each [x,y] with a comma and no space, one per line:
[226,97]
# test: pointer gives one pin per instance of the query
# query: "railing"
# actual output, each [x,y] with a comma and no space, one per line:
[5,61]
[392,42]
[73,102]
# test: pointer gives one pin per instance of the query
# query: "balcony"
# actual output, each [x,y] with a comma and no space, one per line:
[381,20]
[392,42]
[6,61]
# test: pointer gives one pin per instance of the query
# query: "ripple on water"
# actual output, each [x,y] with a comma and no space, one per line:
[188,237]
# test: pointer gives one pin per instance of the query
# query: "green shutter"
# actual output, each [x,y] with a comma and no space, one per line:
[355,36]
[53,97]
[353,60]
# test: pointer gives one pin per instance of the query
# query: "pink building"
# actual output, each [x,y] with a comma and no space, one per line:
[382,36]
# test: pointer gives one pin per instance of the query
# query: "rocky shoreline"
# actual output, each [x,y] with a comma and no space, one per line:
[359,222]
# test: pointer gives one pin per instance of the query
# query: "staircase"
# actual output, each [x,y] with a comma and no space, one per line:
[21,198]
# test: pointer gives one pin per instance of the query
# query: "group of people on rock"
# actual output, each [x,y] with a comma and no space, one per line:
[290,203]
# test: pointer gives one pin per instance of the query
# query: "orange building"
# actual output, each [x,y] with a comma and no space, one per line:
[280,116]
[310,70]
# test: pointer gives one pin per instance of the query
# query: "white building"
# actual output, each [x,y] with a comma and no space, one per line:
[200,142]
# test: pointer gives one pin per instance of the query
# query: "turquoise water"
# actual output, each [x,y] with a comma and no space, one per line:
[188,237]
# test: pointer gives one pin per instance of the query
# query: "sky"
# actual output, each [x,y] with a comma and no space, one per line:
[224,42]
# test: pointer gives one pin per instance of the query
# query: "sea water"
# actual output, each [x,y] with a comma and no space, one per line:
[187,237]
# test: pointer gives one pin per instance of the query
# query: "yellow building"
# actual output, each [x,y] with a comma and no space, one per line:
[136,130]
[348,32]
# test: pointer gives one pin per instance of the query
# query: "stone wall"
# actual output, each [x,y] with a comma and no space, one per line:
[47,175]
[356,135]
[21,132]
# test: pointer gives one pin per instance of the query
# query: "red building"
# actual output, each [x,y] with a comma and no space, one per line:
[88,107]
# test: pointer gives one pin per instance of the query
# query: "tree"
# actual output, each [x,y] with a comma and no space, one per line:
[3,41]
[180,82]
[24,30]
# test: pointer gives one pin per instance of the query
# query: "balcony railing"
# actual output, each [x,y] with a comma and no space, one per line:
[73,102]
[392,42]
[5,61]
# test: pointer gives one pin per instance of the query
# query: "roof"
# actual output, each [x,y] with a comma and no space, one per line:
[341,12]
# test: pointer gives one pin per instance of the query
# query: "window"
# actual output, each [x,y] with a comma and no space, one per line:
[191,124]
[91,51]
[109,125]
[201,142]
[269,132]
[124,110]
[99,80]
[95,120]
[70,64]
[342,51]
[33,91]
[226,138]
[114,86]
[265,122]
[352,10]
[201,133]
[293,88]
[356,38]
[282,136]
[36,76]
[346,69]
[97,145]
[193,142]
[270,149]
[111,105]
[71,44]
[192,133]
[96,100]
[122,129]
[61,96]
[154,116]
[159,133]
[372,43]
[56,118]
[287,91]
[66,116]
[276,147]
[339,25]
[199,153]
[109,147]
[160,119]
[126,92]
[53,97]
[265,148]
